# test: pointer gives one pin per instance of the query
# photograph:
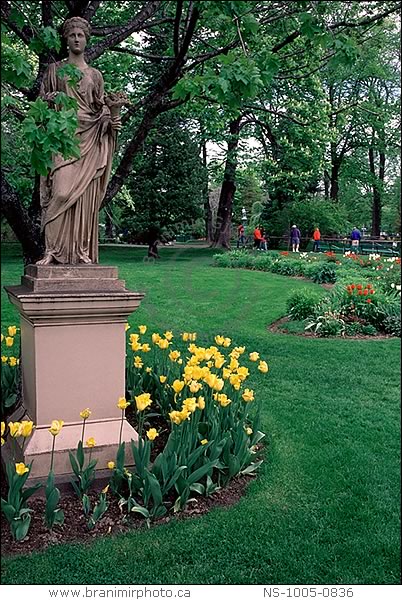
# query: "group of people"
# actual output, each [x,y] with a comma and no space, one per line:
[261,238]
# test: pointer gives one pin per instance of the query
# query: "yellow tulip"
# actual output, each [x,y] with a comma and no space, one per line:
[219,362]
[90,442]
[3,427]
[143,401]
[184,336]
[200,402]
[142,329]
[162,378]
[239,349]
[138,364]
[134,337]
[2,441]
[152,434]
[178,385]
[26,428]
[155,338]
[9,341]
[111,465]
[148,369]
[248,395]
[175,417]
[249,431]
[168,335]
[163,344]
[126,327]
[56,427]
[263,367]
[2,337]
[4,359]
[190,405]
[12,330]
[85,414]
[254,356]
[235,381]
[234,364]
[203,442]
[194,386]
[219,339]
[192,337]
[174,355]
[105,489]
[122,403]
[14,428]
[12,361]
[226,342]
[135,346]
[145,348]
[223,400]
[243,373]
[21,468]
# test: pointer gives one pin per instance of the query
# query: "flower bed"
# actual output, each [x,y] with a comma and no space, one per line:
[198,426]
[365,300]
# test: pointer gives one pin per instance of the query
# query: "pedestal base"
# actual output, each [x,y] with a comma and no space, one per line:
[73,347]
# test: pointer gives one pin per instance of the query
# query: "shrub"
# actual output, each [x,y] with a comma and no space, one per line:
[369,330]
[327,324]
[302,304]
[355,328]
[323,273]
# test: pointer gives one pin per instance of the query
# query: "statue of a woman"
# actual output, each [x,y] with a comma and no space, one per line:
[73,191]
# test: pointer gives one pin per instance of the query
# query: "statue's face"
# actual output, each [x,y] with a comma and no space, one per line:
[76,40]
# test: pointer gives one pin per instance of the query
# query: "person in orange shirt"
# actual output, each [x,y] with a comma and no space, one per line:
[257,237]
[316,238]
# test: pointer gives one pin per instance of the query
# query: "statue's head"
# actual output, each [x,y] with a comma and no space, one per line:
[76,23]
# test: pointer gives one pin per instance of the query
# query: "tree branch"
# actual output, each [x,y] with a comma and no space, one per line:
[156,57]
[176,26]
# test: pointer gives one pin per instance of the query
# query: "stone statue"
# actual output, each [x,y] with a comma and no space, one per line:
[72,193]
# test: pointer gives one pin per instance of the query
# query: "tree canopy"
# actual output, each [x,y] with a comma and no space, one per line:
[315,83]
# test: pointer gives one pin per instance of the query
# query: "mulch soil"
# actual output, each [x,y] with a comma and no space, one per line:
[276,327]
[74,528]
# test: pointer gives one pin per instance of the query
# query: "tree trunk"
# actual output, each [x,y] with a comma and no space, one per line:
[334,176]
[207,205]
[327,181]
[377,186]
[26,229]
[224,216]
[109,226]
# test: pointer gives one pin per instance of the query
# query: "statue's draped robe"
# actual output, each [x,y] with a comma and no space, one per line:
[72,193]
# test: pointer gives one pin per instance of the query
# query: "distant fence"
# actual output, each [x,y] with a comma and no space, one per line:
[333,244]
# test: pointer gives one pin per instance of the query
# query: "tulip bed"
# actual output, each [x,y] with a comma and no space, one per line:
[198,397]
[325,505]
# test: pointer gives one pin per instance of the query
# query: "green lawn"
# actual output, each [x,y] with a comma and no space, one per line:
[324,509]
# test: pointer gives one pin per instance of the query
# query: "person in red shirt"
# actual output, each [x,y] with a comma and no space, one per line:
[241,239]
[257,237]
[316,238]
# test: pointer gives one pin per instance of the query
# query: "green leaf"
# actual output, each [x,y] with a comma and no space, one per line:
[141,510]
[199,473]
[251,468]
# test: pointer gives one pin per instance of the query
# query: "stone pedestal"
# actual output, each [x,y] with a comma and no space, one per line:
[73,357]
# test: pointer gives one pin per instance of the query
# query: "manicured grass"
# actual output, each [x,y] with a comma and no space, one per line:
[324,509]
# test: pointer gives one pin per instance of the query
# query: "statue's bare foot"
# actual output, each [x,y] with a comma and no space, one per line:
[85,259]
[46,260]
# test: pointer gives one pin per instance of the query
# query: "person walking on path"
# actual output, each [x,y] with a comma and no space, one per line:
[355,237]
[264,240]
[295,238]
[316,238]
[257,237]
[241,239]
